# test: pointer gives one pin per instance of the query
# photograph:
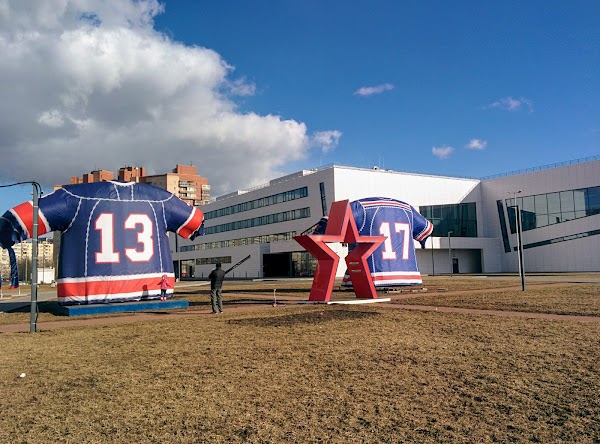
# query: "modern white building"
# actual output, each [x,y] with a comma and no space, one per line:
[474,219]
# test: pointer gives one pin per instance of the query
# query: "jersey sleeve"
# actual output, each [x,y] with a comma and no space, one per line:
[10,230]
[182,218]
[422,228]
[54,213]
[321,226]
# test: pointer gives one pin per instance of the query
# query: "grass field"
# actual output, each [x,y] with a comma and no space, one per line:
[335,374]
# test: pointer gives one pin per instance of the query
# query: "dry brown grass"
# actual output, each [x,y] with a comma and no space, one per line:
[470,283]
[566,299]
[306,374]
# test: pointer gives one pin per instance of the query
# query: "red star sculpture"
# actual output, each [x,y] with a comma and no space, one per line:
[341,228]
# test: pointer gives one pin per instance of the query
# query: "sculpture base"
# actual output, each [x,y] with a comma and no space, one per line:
[121,307]
[351,301]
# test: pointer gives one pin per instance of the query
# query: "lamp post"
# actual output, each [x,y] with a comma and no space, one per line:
[24,276]
[34,266]
[178,274]
[518,230]
[37,190]
[43,262]
[450,253]
[432,260]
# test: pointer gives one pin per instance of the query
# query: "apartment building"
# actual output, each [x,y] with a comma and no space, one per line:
[183,181]
[23,252]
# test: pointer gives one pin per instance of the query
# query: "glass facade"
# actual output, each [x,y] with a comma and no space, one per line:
[460,219]
[258,203]
[264,239]
[267,219]
[323,200]
[541,210]
[503,229]
[303,264]
[213,260]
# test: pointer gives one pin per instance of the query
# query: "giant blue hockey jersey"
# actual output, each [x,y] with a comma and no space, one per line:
[395,261]
[114,242]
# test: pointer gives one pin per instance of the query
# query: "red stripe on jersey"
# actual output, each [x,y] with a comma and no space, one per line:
[192,224]
[119,289]
[399,277]
[428,230]
[24,214]
[390,278]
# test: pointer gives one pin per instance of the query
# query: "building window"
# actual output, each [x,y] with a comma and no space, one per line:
[461,219]
[503,229]
[268,219]
[303,264]
[213,260]
[263,239]
[258,203]
[541,210]
[323,200]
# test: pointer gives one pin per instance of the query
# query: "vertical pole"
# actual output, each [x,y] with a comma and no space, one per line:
[517,213]
[178,271]
[18,277]
[520,248]
[432,260]
[34,252]
[450,253]
[519,230]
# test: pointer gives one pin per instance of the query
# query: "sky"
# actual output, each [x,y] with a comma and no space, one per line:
[248,91]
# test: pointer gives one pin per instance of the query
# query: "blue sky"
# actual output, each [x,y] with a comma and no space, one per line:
[450,88]
[521,77]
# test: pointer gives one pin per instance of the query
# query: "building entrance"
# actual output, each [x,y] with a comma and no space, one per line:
[277,265]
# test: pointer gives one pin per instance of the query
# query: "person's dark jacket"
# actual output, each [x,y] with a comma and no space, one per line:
[216,278]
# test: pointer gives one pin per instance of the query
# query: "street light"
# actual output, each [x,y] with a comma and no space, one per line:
[518,230]
[450,253]
[37,190]
[432,260]
[178,274]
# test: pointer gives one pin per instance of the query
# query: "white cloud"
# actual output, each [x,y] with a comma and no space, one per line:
[91,84]
[241,87]
[510,104]
[442,152]
[476,144]
[371,90]
[326,140]
[52,118]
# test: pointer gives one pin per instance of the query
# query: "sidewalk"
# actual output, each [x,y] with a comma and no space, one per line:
[19,298]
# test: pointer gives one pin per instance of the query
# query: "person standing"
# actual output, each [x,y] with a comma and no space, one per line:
[164,284]
[216,282]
